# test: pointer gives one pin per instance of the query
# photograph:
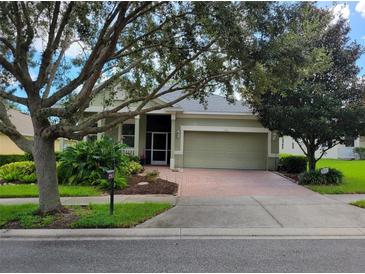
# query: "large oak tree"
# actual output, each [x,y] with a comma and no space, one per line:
[326,105]
[55,57]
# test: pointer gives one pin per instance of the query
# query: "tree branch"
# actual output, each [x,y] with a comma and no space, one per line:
[80,131]
[53,69]
[326,149]
[52,43]
[7,128]
[300,145]
[30,31]
[13,98]
[8,44]
[94,64]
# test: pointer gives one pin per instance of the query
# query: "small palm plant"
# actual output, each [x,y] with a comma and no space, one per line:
[86,163]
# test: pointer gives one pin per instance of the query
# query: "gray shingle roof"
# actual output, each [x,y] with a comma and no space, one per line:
[215,103]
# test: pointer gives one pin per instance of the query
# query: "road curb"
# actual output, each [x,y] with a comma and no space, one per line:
[182,233]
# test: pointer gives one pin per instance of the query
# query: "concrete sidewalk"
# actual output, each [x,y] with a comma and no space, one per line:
[302,212]
[97,199]
[346,198]
[314,216]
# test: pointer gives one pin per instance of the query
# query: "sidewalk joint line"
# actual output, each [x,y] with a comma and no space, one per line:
[268,212]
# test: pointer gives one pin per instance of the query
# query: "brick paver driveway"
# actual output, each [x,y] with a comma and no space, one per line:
[223,183]
[212,198]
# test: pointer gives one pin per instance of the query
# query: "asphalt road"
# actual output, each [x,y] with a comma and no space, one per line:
[253,255]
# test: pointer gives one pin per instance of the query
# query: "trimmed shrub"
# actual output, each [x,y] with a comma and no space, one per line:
[360,151]
[152,175]
[132,168]
[87,162]
[21,172]
[293,163]
[7,159]
[120,181]
[323,176]
[133,158]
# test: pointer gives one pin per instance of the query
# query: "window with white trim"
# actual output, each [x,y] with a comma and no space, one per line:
[127,134]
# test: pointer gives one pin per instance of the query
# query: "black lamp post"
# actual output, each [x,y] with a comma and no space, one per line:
[110,177]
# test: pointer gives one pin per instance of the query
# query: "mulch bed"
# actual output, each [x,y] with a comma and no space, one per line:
[3,182]
[64,220]
[160,186]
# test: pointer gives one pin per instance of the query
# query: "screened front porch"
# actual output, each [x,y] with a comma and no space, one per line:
[148,136]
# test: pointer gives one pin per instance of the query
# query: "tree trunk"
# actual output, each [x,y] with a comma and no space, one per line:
[312,160]
[45,162]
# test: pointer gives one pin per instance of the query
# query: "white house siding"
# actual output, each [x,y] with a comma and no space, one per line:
[289,146]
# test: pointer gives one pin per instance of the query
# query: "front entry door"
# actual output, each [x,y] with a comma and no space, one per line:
[159,148]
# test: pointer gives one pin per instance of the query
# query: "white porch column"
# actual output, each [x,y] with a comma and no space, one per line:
[119,132]
[172,149]
[62,144]
[136,135]
[100,124]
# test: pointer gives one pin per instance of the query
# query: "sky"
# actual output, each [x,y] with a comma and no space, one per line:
[354,12]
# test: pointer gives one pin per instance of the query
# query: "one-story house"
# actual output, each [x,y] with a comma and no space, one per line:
[220,135]
[23,124]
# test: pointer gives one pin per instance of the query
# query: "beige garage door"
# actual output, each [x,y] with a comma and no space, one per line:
[225,150]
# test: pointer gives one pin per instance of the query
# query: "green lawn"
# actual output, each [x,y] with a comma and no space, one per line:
[23,190]
[360,203]
[354,176]
[92,216]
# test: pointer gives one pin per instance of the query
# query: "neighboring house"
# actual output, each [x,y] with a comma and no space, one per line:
[23,124]
[187,135]
[343,151]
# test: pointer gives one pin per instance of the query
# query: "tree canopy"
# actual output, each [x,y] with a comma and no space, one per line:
[56,57]
[60,55]
[326,105]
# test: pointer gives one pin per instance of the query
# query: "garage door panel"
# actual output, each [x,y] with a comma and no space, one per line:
[225,150]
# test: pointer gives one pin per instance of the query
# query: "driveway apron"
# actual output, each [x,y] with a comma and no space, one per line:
[212,198]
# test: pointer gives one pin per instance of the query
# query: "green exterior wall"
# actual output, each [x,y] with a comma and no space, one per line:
[112,133]
[271,161]
[213,122]
[233,150]
[218,122]
[275,143]
[142,135]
